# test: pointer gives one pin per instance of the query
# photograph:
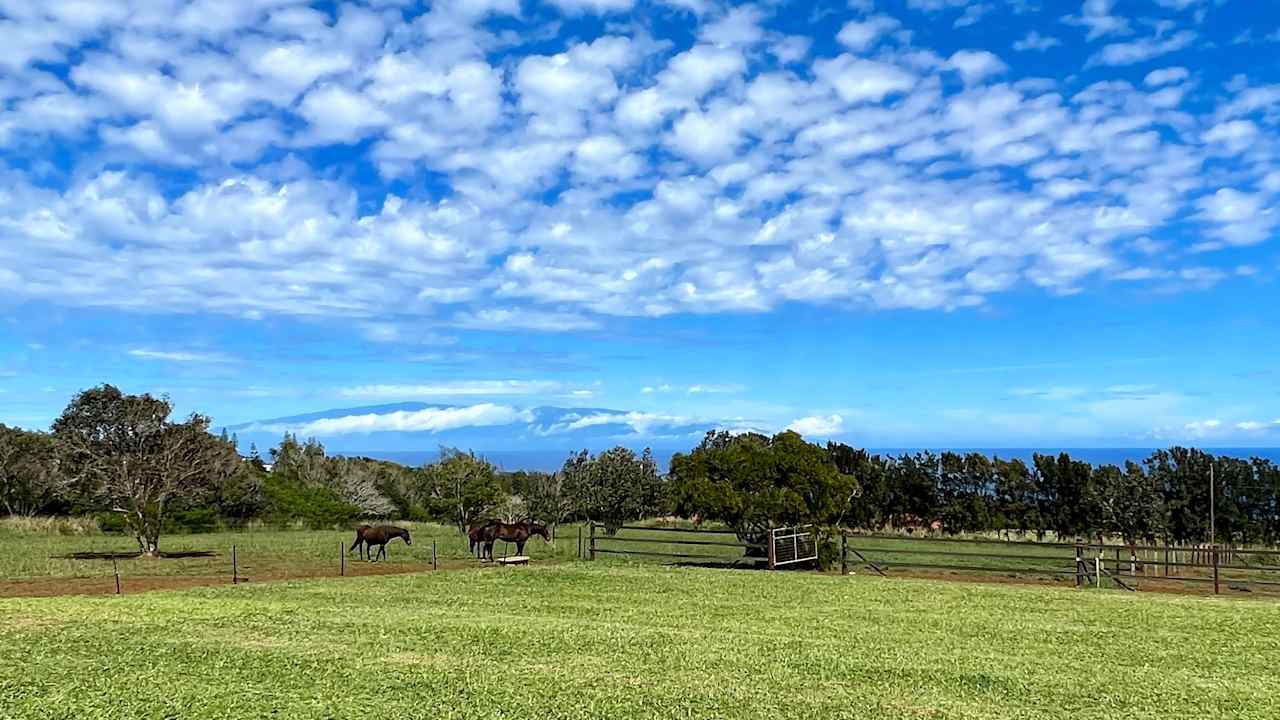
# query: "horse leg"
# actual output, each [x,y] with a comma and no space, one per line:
[520,547]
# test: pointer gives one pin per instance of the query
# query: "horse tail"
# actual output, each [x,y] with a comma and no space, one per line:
[359,537]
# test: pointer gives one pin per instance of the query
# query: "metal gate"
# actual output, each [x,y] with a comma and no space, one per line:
[791,545]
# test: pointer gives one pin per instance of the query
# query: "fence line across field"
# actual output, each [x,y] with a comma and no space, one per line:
[1120,564]
[601,543]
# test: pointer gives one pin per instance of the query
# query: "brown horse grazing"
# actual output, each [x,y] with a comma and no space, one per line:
[380,535]
[518,533]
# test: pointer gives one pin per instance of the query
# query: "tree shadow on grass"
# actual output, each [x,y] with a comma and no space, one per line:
[131,555]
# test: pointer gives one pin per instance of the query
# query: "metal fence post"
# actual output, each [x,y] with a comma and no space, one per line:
[235,568]
[579,555]
[116,570]
[772,552]
[593,540]
[433,554]
[844,553]
[342,561]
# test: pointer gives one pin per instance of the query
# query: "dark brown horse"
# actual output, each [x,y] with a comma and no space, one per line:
[518,533]
[379,535]
[473,533]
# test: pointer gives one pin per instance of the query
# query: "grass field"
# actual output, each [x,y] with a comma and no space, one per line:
[26,556]
[30,562]
[575,640]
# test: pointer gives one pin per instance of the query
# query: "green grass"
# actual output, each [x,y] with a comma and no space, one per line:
[576,640]
[269,553]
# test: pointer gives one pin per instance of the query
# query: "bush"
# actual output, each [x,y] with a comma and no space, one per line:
[316,507]
[111,523]
[195,520]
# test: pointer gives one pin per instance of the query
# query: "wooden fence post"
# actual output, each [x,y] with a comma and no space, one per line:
[235,568]
[579,555]
[342,560]
[433,554]
[1079,565]
[844,553]
[593,540]
[116,570]
[1215,568]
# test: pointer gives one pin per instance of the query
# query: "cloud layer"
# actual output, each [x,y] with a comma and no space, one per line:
[485,185]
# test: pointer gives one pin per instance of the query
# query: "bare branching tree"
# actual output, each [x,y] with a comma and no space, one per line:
[124,453]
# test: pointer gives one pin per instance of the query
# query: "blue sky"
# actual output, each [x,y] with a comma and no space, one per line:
[895,223]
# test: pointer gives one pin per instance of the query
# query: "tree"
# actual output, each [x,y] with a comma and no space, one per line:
[1066,495]
[303,462]
[753,483]
[30,479]
[614,487]
[871,476]
[1016,500]
[1129,502]
[359,481]
[1183,478]
[128,457]
[465,487]
[545,496]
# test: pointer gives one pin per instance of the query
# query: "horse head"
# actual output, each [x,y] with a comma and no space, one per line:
[405,535]
[537,528]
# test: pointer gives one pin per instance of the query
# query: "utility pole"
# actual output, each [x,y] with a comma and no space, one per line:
[1213,527]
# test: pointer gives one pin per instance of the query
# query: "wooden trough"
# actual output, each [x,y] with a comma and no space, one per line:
[513,560]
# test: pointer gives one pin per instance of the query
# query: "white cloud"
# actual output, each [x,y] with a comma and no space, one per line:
[1096,16]
[816,426]
[338,115]
[714,389]
[453,388]
[1238,218]
[1034,41]
[974,65]
[858,80]
[639,424]
[596,7]
[1129,53]
[523,319]
[427,420]
[859,35]
[179,356]
[1166,76]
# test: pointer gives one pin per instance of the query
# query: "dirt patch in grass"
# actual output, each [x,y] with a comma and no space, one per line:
[106,585]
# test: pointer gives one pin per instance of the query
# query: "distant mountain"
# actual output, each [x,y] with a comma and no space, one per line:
[526,437]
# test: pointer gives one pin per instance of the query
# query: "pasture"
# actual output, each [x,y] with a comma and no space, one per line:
[576,640]
[30,562]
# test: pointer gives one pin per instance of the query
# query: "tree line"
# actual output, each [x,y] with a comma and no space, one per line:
[124,458]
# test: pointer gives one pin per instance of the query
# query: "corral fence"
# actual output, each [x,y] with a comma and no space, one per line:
[1130,567]
[686,545]
[783,546]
